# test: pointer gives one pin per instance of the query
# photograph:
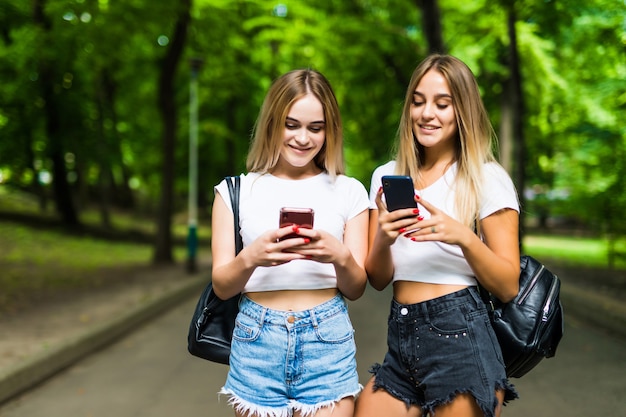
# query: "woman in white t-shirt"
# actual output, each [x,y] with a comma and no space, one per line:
[293,350]
[443,358]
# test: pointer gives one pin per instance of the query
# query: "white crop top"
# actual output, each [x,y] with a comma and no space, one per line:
[438,262]
[263,195]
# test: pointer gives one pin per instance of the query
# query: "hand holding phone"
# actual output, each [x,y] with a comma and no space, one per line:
[399,192]
[301,217]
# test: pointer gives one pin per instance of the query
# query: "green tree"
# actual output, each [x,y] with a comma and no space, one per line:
[84,121]
[167,108]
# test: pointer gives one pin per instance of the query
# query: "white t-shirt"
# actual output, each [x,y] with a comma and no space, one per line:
[438,262]
[263,195]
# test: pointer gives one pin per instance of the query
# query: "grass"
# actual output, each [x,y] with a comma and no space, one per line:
[574,251]
[29,246]
[38,262]
[12,200]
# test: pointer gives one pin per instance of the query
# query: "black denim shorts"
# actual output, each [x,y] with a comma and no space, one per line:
[440,348]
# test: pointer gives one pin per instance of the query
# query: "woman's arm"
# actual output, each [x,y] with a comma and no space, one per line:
[231,273]
[385,227]
[351,276]
[347,258]
[379,262]
[496,262]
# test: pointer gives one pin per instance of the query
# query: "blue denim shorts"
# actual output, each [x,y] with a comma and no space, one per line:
[440,348]
[282,361]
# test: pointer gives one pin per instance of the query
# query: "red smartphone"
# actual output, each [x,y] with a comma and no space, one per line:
[399,192]
[303,217]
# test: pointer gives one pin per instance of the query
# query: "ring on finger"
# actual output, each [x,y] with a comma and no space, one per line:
[433,230]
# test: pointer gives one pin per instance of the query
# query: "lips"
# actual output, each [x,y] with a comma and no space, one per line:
[298,149]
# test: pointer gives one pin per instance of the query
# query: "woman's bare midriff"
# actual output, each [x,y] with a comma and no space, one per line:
[292,300]
[409,292]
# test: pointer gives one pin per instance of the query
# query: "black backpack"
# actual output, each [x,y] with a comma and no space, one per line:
[530,327]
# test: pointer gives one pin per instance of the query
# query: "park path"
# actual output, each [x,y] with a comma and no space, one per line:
[149,373]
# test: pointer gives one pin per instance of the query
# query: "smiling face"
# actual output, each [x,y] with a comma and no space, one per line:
[303,137]
[432,113]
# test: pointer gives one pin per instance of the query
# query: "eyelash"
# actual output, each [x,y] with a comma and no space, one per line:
[313,129]
[439,106]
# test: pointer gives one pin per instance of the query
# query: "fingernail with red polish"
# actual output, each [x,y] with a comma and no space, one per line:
[402,230]
[420,218]
[307,240]
[416,211]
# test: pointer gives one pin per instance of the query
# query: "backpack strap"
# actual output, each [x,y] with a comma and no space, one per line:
[234,189]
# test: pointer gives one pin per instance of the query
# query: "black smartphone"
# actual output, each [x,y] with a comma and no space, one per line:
[399,192]
[303,217]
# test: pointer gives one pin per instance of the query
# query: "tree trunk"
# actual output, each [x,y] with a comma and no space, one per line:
[120,192]
[431,25]
[167,108]
[61,187]
[505,134]
[104,156]
[517,116]
[35,184]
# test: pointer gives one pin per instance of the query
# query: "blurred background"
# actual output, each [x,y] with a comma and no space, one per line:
[117,118]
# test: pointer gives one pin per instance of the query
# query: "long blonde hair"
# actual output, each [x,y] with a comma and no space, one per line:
[268,130]
[475,139]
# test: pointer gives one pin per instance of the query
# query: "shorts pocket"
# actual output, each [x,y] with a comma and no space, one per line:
[246,328]
[335,329]
[451,322]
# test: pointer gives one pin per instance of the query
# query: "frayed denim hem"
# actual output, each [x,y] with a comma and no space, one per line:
[510,393]
[254,410]
[428,409]
[378,384]
[309,410]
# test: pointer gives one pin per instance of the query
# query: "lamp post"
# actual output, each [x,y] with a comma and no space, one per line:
[192,234]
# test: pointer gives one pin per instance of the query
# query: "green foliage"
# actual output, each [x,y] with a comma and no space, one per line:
[585,137]
[104,57]
[43,262]
[579,251]
[23,245]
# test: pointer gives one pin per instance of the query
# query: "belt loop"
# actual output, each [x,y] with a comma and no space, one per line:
[242,300]
[262,314]
[394,311]
[425,311]
[313,317]
[473,290]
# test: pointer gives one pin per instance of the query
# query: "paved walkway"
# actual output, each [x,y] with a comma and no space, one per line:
[148,372]
[37,343]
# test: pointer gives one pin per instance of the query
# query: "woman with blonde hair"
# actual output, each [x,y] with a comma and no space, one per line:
[443,357]
[293,350]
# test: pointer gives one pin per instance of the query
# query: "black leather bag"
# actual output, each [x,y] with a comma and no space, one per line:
[530,327]
[213,321]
